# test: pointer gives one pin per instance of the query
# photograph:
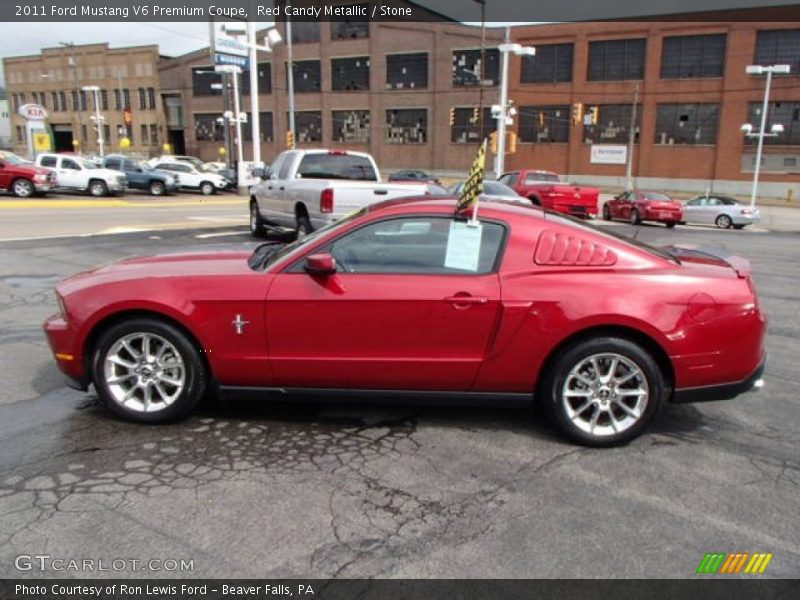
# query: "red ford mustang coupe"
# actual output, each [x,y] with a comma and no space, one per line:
[644,206]
[401,300]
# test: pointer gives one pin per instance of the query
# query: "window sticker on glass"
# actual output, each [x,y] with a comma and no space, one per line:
[463,246]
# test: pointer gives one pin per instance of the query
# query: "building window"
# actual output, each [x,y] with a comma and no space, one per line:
[407,71]
[20,134]
[468,70]
[305,32]
[151,98]
[75,104]
[407,126]
[779,47]
[63,97]
[307,75]
[687,124]
[208,127]
[104,99]
[350,73]
[785,113]
[154,134]
[616,60]
[308,126]
[350,126]
[143,134]
[544,124]
[54,98]
[126,97]
[552,63]
[347,29]
[264,129]
[15,102]
[691,56]
[107,133]
[142,99]
[466,126]
[613,125]
[84,134]
[206,82]
[118,99]
[264,80]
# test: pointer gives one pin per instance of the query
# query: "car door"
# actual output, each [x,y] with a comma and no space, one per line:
[620,206]
[70,174]
[5,178]
[393,316]
[137,178]
[693,210]
[276,208]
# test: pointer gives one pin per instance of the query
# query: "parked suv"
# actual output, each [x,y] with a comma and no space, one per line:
[78,174]
[22,178]
[142,176]
[192,179]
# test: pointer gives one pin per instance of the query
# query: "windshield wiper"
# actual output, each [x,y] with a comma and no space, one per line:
[258,259]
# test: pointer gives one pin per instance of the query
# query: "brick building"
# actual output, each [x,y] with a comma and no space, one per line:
[127,78]
[693,92]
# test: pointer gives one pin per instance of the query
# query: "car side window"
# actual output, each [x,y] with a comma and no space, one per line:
[412,246]
[48,161]
[68,163]
[694,202]
[286,167]
[131,166]
[113,163]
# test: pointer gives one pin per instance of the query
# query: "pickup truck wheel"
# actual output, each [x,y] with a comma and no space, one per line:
[606,213]
[256,222]
[535,200]
[22,188]
[207,188]
[603,391]
[98,188]
[148,371]
[157,188]
[303,227]
[635,218]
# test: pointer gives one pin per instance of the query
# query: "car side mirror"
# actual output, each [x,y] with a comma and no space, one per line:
[321,264]
[258,172]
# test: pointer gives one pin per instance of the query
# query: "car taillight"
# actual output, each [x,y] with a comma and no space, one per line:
[747,211]
[338,152]
[326,201]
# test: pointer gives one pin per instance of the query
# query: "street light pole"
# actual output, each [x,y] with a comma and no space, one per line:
[290,75]
[97,117]
[255,123]
[759,70]
[632,140]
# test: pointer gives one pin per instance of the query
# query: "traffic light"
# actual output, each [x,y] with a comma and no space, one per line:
[594,114]
[493,142]
[577,113]
[541,119]
[289,140]
[452,116]
[512,142]
[475,115]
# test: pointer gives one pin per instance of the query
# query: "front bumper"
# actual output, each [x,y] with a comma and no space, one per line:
[61,338]
[43,187]
[724,391]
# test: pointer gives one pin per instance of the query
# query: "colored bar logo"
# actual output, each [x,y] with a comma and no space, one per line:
[734,563]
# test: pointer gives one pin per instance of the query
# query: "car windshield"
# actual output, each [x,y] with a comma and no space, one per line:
[660,252]
[542,176]
[654,196]
[336,166]
[269,253]
[11,159]
[493,188]
[87,164]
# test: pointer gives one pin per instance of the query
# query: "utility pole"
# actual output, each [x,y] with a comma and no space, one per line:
[483,66]
[499,159]
[74,66]
[254,109]
[632,139]
[290,75]
[226,124]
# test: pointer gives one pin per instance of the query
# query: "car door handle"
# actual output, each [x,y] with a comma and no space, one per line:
[380,192]
[281,188]
[463,300]
[269,187]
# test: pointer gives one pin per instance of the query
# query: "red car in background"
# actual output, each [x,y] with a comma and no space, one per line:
[22,178]
[644,206]
[402,300]
[545,189]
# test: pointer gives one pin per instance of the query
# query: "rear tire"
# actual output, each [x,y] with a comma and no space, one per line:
[636,219]
[606,213]
[535,200]
[207,188]
[148,371]
[98,188]
[724,222]
[670,224]
[157,188]
[602,391]
[303,226]
[739,226]
[23,188]
[256,221]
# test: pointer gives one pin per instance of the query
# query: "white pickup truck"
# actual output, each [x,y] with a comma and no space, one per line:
[308,189]
[78,174]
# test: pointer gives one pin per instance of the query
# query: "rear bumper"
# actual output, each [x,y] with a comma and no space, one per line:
[581,211]
[746,220]
[724,391]
[663,216]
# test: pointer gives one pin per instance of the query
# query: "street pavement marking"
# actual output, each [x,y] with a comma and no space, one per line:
[62,203]
[204,236]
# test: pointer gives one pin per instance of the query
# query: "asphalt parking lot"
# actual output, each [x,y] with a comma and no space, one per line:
[310,490]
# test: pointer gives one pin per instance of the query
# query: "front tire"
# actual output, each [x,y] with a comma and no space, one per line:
[23,188]
[98,188]
[606,213]
[256,221]
[148,371]
[724,222]
[603,391]
[157,188]
[636,219]
[207,188]
[535,200]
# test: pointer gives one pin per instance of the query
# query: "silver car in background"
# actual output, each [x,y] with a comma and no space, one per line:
[493,190]
[723,211]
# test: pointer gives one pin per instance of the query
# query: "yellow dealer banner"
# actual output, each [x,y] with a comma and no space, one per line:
[41,141]
[473,187]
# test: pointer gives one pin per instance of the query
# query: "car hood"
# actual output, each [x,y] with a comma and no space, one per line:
[205,262]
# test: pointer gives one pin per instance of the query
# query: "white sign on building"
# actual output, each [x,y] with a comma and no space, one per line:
[607,154]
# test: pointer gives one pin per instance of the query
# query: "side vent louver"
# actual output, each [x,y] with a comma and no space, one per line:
[559,249]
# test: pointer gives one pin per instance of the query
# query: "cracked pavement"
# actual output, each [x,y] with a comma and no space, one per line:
[270,489]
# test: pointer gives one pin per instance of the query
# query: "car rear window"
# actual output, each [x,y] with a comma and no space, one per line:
[534,177]
[336,166]
[654,196]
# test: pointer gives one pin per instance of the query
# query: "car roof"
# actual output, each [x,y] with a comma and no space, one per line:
[447,205]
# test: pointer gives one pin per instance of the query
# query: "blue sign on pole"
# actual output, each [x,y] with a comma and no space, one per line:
[228,59]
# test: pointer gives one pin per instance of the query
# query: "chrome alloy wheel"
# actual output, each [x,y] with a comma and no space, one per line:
[144,372]
[605,394]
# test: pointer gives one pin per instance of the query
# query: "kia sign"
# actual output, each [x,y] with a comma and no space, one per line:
[32,112]
[606,154]
[228,43]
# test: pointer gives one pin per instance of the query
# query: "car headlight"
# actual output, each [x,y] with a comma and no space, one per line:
[40,177]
